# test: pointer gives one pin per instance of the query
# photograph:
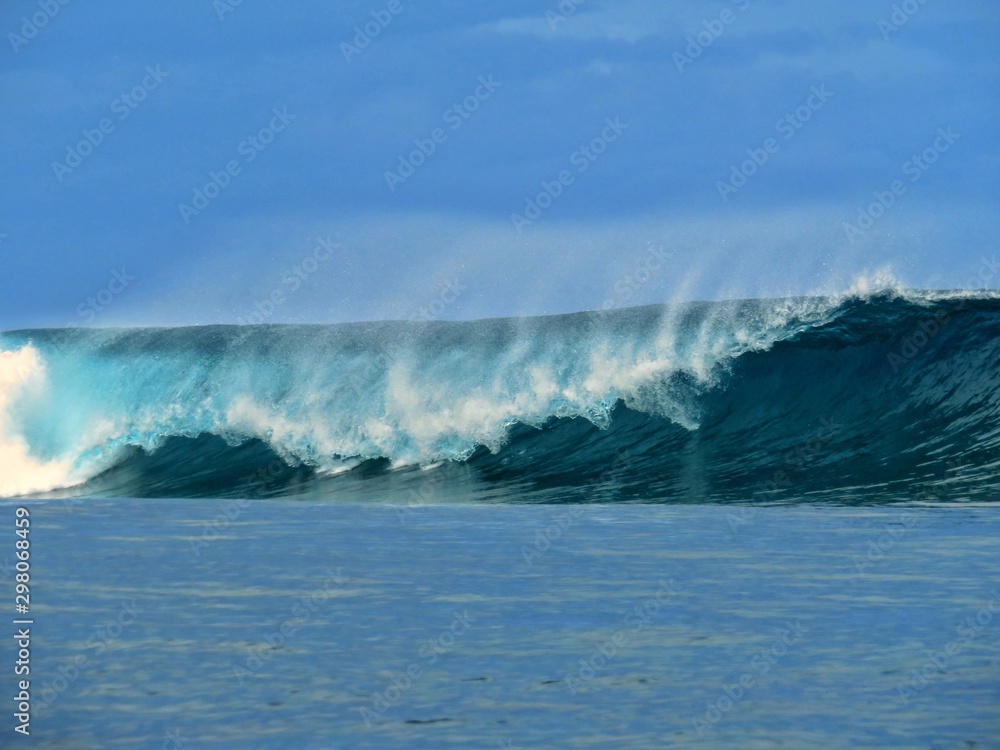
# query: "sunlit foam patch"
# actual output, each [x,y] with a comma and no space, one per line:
[22,376]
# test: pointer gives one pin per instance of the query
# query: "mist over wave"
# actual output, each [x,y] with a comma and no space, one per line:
[868,397]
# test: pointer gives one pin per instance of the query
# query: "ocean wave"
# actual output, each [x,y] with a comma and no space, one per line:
[871,393]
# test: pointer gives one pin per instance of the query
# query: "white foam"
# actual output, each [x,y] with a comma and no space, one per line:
[22,377]
[424,407]
[869,283]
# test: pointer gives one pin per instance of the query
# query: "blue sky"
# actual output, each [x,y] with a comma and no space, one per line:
[831,100]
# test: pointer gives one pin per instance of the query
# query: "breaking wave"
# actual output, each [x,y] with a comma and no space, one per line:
[868,397]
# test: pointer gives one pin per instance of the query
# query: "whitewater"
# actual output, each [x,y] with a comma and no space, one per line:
[870,392]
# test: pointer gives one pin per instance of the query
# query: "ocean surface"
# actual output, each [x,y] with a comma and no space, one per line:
[757,523]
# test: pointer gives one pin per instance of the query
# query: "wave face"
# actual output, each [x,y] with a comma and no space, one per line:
[875,398]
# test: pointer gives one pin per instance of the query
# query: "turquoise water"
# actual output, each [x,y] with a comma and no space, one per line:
[158,623]
[858,399]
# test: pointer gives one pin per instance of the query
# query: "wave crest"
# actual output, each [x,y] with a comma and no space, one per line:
[699,394]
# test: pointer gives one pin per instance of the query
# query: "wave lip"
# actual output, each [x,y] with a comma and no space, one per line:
[703,401]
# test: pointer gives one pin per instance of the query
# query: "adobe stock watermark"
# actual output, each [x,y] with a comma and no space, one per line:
[231,510]
[626,289]
[454,117]
[562,12]
[937,661]
[705,38]
[911,345]
[302,611]
[91,307]
[6,569]
[249,148]
[795,459]
[292,279]
[33,24]
[611,478]
[223,8]
[545,538]
[636,620]
[102,637]
[174,740]
[786,127]
[423,494]
[448,292]
[915,167]
[879,547]
[400,684]
[900,16]
[761,663]
[360,380]
[370,30]
[581,159]
[121,106]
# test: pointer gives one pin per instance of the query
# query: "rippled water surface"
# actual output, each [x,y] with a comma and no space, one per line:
[279,624]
